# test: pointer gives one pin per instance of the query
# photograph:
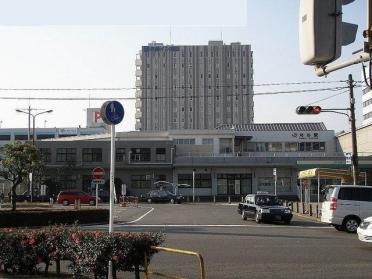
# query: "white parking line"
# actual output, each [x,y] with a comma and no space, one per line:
[227,226]
[138,219]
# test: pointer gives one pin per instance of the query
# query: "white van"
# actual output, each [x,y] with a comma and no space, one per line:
[345,206]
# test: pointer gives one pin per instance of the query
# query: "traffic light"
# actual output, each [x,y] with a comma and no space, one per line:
[322,32]
[308,110]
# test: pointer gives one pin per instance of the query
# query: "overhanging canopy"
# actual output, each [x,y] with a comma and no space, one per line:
[344,175]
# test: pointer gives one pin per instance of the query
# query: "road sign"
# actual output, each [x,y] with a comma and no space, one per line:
[348,158]
[98,173]
[98,181]
[112,112]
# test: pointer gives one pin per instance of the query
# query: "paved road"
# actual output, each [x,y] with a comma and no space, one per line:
[233,248]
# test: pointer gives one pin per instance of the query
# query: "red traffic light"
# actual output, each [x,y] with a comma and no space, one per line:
[308,110]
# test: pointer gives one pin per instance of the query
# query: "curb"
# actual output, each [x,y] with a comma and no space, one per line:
[307,217]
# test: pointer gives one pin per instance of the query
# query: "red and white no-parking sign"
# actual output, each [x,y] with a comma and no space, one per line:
[98,173]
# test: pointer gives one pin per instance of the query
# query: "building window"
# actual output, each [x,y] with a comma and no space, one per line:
[184,141]
[21,137]
[92,155]
[68,182]
[267,184]
[207,141]
[120,155]
[140,181]
[160,154]
[226,146]
[234,184]
[5,137]
[46,154]
[66,155]
[140,154]
[202,180]
[290,146]
[275,147]
[311,146]
[45,136]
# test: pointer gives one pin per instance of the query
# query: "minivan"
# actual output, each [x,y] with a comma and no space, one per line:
[69,197]
[345,206]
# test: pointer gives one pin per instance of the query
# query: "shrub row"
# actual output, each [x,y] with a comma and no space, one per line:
[22,250]
[29,218]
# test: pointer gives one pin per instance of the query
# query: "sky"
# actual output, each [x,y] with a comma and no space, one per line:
[67,44]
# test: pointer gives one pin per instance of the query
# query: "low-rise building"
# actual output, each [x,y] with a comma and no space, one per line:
[228,161]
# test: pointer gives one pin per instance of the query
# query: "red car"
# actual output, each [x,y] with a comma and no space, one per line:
[69,197]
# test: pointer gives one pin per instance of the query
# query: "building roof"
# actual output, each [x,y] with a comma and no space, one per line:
[269,127]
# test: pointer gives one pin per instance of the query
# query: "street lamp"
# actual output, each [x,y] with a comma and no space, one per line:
[28,112]
[33,121]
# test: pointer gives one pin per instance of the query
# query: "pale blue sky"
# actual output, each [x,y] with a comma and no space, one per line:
[81,43]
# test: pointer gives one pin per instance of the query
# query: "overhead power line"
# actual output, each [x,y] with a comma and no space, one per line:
[170,97]
[332,96]
[185,86]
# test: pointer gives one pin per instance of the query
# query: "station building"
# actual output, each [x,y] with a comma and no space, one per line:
[232,160]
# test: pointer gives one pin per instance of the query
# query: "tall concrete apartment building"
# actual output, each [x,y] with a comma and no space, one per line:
[193,87]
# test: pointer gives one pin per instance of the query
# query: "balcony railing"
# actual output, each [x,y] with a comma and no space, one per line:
[138,83]
[263,154]
[138,104]
[138,114]
[138,93]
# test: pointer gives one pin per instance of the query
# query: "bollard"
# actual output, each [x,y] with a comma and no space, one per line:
[317,211]
[77,204]
[297,207]
[303,208]
[51,201]
[214,199]
[310,209]
[229,199]
[242,199]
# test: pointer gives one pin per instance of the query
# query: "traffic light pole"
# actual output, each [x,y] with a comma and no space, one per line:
[353,131]
[318,109]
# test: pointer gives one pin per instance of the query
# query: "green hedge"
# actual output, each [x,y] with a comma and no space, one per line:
[29,218]
[88,252]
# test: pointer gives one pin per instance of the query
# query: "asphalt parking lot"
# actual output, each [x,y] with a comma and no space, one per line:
[233,248]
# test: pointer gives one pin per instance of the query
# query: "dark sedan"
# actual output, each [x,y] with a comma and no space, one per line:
[163,196]
[35,198]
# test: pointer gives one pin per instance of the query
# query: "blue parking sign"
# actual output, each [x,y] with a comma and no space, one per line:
[112,112]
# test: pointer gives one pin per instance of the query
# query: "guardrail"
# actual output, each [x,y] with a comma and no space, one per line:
[175,251]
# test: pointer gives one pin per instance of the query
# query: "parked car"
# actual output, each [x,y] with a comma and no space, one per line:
[345,206]
[264,207]
[365,230]
[35,198]
[163,196]
[69,197]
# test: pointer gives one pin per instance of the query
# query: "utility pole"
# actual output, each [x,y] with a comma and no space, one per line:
[353,131]
[29,124]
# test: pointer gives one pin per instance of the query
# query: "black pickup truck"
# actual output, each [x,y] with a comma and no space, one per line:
[264,207]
